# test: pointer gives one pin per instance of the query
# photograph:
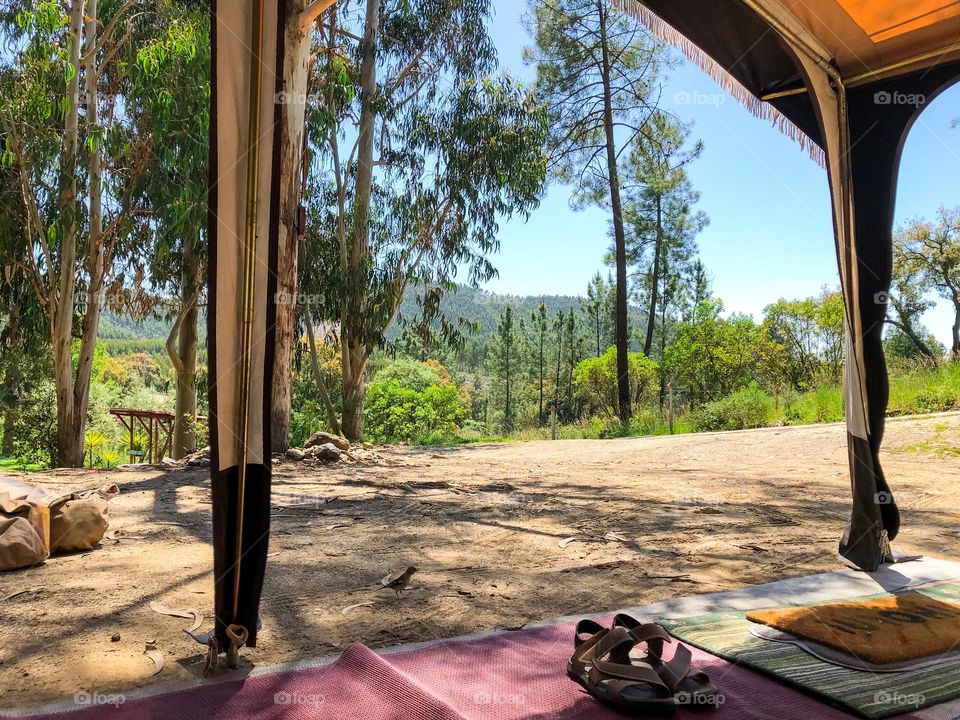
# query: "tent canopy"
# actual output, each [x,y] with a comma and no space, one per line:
[862,41]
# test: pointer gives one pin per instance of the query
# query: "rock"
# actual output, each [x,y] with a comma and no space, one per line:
[115,637]
[325,438]
[295,454]
[328,452]
[201,458]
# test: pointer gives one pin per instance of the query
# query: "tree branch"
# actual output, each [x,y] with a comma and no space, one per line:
[309,15]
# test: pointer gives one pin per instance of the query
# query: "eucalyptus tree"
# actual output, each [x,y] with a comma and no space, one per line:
[309,44]
[662,224]
[427,152]
[78,164]
[169,101]
[599,71]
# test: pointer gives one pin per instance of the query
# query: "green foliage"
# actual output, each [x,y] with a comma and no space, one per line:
[923,390]
[821,405]
[35,426]
[410,402]
[595,380]
[810,333]
[749,407]
[713,356]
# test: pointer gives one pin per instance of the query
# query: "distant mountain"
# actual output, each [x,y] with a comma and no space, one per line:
[118,327]
[485,307]
[478,306]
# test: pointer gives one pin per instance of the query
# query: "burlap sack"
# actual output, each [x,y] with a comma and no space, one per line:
[78,524]
[60,521]
[20,545]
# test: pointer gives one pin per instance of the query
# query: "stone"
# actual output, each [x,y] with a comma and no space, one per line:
[328,452]
[325,438]
[295,454]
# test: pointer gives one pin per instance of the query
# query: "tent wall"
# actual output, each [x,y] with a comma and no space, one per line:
[240,379]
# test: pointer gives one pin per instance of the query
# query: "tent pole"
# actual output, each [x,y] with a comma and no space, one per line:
[249,278]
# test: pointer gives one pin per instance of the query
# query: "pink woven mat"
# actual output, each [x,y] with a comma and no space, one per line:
[518,676]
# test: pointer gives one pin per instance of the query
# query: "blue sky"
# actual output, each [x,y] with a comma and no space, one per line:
[770,232]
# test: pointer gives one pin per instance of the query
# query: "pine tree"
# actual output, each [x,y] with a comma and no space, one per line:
[598,71]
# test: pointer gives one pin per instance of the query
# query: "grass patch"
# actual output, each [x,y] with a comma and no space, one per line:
[927,391]
[10,463]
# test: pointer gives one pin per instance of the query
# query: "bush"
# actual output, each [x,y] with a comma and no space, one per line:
[749,407]
[35,426]
[595,380]
[411,402]
[921,392]
[823,405]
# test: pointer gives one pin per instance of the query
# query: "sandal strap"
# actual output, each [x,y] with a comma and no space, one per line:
[585,627]
[675,671]
[635,672]
[652,634]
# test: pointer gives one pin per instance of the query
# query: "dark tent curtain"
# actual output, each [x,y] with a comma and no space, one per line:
[244,200]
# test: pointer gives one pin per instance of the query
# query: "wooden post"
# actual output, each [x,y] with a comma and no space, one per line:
[670,406]
[553,421]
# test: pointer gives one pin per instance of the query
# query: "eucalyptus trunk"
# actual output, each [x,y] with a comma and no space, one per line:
[182,350]
[292,119]
[354,349]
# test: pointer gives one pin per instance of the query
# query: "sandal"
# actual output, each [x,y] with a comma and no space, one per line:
[690,687]
[602,665]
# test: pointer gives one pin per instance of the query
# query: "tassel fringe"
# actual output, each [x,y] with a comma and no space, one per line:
[763,110]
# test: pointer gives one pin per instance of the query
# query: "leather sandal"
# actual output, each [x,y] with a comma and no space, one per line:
[631,686]
[690,687]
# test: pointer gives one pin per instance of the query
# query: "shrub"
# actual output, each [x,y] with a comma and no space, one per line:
[595,380]
[937,399]
[411,402]
[35,426]
[749,407]
[823,405]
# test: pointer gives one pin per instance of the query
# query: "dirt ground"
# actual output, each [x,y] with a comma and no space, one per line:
[488,527]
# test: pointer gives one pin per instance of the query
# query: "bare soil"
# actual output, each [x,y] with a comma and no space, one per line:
[489,528]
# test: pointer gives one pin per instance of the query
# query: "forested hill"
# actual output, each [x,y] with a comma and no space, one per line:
[478,306]
[485,307]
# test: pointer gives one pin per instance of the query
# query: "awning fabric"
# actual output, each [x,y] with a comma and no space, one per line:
[847,78]
[242,285]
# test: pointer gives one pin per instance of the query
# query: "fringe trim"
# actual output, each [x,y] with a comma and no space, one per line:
[763,110]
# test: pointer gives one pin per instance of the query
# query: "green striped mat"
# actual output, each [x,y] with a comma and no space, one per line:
[872,695]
